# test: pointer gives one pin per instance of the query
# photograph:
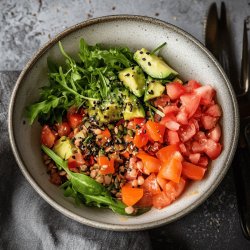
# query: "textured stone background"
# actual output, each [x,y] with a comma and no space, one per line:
[25,25]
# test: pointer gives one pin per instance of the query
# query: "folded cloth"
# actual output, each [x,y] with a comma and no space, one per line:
[28,222]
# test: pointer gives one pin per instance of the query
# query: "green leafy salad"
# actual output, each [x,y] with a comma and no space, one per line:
[91,111]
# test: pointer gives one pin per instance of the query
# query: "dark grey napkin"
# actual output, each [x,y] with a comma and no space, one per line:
[28,222]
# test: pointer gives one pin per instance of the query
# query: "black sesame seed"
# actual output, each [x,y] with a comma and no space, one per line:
[133,68]
[147,53]
[141,52]
[149,63]
[127,74]
[143,59]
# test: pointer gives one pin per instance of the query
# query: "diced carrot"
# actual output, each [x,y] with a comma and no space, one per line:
[165,153]
[107,166]
[131,195]
[125,154]
[171,169]
[152,164]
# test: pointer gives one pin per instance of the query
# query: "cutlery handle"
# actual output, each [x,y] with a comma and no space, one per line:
[241,165]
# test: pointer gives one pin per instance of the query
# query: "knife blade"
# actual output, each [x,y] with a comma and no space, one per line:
[224,53]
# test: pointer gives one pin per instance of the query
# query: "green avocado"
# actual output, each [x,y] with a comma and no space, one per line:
[132,107]
[133,78]
[154,89]
[153,65]
[64,148]
[106,111]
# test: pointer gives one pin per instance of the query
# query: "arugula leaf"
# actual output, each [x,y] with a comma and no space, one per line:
[44,107]
[93,77]
[93,192]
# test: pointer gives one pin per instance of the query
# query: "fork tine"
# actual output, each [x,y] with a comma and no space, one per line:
[244,78]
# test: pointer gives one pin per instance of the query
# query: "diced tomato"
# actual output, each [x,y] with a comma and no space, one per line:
[186,132]
[194,158]
[191,86]
[107,166]
[182,116]
[146,200]
[175,90]
[172,137]
[165,153]
[191,103]
[136,123]
[151,185]
[104,136]
[130,195]
[212,149]
[198,113]
[169,121]
[200,135]
[215,133]
[208,122]
[203,162]
[141,138]
[125,154]
[47,137]
[155,131]
[162,182]
[170,109]
[162,101]
[214,111]
[91,160]
[151,163]
[178,187]
[74,120]
[171,169]
[198,147]
[183,148]
[206,93]
[161,200]
[63,129]
[192,171]
[75,161]
[173,190]
[196,123]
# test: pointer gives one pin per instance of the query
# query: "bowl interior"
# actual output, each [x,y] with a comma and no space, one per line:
[182,53]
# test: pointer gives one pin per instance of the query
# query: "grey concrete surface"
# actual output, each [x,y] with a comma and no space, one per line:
[26,25]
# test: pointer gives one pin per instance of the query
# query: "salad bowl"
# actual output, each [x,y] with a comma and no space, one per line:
[184,53]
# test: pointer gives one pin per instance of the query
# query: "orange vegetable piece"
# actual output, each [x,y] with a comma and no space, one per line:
[151,185]
[151,163]
[107,166]
[192,171]
[171,169]
[131,195]
[165,153]
[155,131]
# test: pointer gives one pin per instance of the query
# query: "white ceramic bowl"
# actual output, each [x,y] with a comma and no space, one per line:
[183,52]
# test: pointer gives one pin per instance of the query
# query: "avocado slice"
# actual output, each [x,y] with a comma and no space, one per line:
[132,107]
[133,78]
[153,65]
[106,111]
[154,89]
[64,148]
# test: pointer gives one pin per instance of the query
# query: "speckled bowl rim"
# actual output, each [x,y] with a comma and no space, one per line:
[81,219]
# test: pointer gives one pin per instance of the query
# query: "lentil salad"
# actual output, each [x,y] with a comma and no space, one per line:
[120,130]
